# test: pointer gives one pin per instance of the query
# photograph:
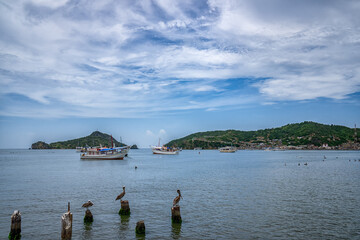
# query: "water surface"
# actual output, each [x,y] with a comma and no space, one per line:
[242,195]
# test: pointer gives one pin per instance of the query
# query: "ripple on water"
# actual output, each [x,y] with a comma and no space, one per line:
[246,195]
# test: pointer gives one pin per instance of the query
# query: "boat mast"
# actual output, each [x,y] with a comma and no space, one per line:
[112,145]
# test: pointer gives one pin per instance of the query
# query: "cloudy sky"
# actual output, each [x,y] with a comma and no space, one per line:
[141,70]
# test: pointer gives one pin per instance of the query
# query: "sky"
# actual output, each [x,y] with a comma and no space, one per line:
[144,70]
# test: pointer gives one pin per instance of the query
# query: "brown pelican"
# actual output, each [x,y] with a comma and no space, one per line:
[177,199]
[87,205]
[121,194]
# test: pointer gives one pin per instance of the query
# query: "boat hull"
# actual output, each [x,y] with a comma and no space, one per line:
[227,151]
[119,156]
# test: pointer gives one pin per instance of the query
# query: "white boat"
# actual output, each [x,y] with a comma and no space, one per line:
[80,149]
[228,149]
[165,150]
[104,154]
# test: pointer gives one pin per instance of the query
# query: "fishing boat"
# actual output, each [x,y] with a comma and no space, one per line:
[95,153]
[165,150]
[104,153]
[228,149]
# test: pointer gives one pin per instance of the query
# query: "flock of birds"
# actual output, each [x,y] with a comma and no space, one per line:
[177,198]
[324,161]
[121,195]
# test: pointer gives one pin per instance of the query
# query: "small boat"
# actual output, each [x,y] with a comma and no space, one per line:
[95,153]
[165,150]
[80,149]
[228,149]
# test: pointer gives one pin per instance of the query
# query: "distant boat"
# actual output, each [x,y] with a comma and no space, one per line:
[228,149]
[116,153]
[80,149]
[165,150]
[198,148]
[100,153]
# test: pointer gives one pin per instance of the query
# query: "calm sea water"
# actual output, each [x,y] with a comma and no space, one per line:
[242,195]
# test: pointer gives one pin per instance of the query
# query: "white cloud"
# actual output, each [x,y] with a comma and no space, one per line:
[149,133]
[129,58]
[162,132]
[51,4]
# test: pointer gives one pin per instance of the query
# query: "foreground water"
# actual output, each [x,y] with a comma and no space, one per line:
[242,195]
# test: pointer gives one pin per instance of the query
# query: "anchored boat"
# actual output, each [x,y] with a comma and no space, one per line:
[116,153]
[228,149]
[165,150]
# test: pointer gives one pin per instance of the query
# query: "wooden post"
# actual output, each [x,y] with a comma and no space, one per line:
[140,227]
[125,209]
[88,216]
[15,230]
[66,224]
[175,214]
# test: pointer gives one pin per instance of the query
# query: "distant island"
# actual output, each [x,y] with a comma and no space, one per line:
[94,139]
[305,135]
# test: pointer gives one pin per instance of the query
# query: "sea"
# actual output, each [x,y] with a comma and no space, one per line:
[249,194]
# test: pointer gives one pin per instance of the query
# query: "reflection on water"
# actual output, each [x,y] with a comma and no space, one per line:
[176,230]
[140,237]
[87,231]
[125,221]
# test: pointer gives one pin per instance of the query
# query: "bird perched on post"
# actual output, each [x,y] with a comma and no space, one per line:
[177,199]
[121,194]
[87,205]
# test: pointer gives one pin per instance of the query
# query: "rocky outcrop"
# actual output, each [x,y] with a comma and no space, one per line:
[40,145]
[134,147]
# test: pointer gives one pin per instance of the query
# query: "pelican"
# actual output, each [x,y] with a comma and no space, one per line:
[87,205]
[177,199]
[121,194]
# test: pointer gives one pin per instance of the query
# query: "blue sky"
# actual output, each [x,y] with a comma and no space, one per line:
[141,70]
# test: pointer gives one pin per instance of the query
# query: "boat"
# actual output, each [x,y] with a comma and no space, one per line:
[165,150]
[80,149]
[126,149]
[104,153]
[228,149]
[95,153]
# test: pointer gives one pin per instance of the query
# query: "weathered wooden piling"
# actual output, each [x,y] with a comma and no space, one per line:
[125,209]
[175,214]
[15,230]
[66,224]
[88,216]
[140,227]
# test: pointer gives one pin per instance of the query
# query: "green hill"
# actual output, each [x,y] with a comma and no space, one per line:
[95,139]
[298,134]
